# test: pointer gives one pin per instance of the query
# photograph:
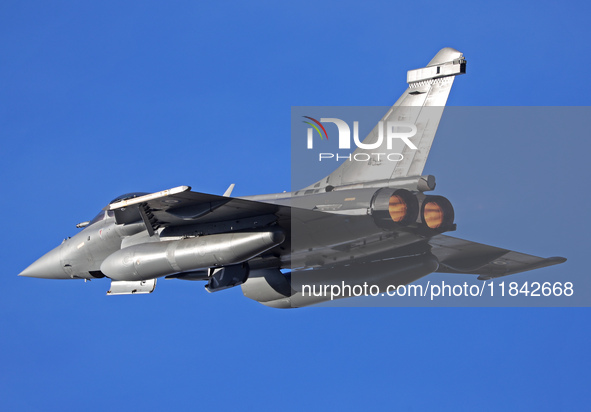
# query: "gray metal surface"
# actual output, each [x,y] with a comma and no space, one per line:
[156,259]
[365,222]
[132,288]
[421,104]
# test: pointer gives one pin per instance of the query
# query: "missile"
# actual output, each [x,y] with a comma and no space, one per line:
[152,260]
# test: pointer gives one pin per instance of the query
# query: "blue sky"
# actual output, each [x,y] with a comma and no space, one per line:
[101,99]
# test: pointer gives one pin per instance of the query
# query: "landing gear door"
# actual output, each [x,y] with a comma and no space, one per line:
[123,287]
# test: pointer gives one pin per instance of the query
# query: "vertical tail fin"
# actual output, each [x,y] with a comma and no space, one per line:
[421,104]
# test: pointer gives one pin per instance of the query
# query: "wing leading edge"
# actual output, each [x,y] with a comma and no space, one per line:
[180,206]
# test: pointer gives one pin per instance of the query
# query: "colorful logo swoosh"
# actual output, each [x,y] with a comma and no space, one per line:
[314,126]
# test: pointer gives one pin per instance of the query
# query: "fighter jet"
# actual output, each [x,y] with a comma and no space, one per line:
[371,220]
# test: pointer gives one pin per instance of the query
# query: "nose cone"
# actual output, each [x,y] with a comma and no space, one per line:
[47,266]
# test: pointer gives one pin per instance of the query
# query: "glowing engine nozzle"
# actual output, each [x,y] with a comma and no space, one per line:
[433,215]
[437,213]
[392,208]
[397,208]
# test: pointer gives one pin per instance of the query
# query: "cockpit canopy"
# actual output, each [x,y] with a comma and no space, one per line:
[103,214]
